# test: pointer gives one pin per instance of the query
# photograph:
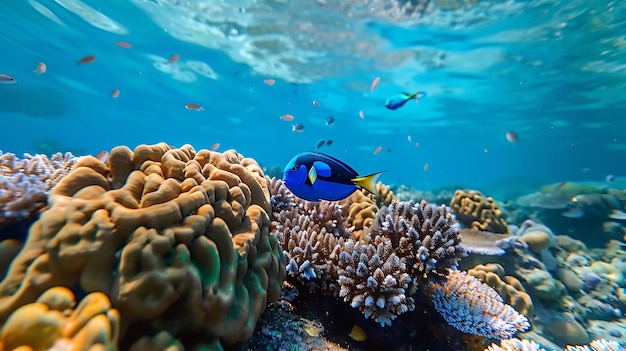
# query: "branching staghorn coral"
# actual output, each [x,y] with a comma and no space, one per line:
[475,308]
[310,234]
[25,183]
[374,280]
[529,345]
[422,235]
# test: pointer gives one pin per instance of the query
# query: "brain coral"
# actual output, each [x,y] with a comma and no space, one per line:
[178,240]
[476,211]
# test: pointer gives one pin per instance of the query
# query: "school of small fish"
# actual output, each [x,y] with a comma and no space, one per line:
[393,102]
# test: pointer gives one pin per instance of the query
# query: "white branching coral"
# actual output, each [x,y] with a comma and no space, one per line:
[423,235]
[475,308]
[374,280]
[528,345]
[309,233]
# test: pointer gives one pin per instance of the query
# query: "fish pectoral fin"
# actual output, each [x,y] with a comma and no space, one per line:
[367,182]
[312,175]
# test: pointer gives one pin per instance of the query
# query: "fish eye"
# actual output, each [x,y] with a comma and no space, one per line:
[294,168]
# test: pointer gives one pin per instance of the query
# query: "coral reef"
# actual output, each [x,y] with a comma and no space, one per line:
[475,308]
[577,209]
[406,247]
[25,183]
[52,323]
[529,345]
[475,211]
[177,239]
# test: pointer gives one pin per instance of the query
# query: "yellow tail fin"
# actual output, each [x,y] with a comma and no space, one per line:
[368,182]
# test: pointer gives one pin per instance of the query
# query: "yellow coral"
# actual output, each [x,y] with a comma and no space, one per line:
[51,323]
[384,196]
[508,287]
[361,211]
[476,211]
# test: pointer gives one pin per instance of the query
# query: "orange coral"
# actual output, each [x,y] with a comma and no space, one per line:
[360,211]
[51,323]
[508,287]
[384,196]
[185,234]
[475,211]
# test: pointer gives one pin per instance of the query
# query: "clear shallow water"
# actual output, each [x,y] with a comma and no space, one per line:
[552,71]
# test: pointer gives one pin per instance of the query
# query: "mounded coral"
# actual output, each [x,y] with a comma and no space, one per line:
[508,287]
[178,240]
[359,211]
[383,196]
[475,211]
[52,323]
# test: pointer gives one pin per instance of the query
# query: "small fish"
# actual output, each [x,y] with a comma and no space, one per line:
[425,166]
[361,114]
[357,333]
[511,136]
[417,144]
[7,79]
[317,104]
[115,93]
[174,58]
[102,156]
[123,44]
[610,178]
[320,143]
[388,149]
[329,142]
[486,149]
[377,150]
[314,176]
[330,121]
[269,82]
[409,138]
[398,100]
[287,117]
[86,60]
[194,107]
[374,84]
[214,146]
[298,127]
[41,68]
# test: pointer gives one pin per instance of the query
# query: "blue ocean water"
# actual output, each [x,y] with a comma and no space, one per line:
[551,71]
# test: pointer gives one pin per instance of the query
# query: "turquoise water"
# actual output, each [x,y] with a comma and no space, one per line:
[551,71]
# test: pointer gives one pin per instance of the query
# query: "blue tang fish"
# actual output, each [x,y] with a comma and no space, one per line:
[314,176]
[398,100]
